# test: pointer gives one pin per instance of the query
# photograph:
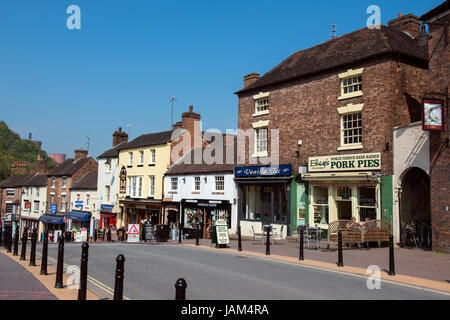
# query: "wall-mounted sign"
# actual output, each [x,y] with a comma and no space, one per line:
[345,162]
[432,115]
[123,180]
[53,208]
[257,171]
[27,205]
[106,207]
[78,203]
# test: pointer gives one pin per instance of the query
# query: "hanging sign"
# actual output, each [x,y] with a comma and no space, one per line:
[345,162]
[222,232]
[432,115]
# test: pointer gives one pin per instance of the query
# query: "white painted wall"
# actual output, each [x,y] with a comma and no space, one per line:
[411,149]
[207,188]
[111,179]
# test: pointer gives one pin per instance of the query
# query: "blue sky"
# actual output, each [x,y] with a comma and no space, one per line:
[131,56]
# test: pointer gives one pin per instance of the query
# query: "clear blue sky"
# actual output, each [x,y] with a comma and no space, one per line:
[130,56]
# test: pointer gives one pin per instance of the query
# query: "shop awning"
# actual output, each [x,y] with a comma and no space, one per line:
[79,216]
[51,219]
[340,176]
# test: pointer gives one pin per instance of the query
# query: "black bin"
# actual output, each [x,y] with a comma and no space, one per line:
[68,236]
[162,233]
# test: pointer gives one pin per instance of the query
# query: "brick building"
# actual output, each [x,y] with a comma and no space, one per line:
[59,183]
[334,107]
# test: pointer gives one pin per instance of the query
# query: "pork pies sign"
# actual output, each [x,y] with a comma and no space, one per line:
[347,162]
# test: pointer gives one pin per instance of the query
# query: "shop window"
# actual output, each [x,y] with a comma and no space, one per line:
[192,217]
[367,203]
[223,214]
[252,202]
[320,205]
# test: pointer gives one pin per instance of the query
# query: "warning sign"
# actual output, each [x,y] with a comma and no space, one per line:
[133,233]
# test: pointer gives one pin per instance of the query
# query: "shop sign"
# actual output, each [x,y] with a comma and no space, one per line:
[78,203]
[106,207]
[133,233]
[222,232]
[345,162]
[432,115]
[123,180]
[53,208]
[27,205]
[257,171]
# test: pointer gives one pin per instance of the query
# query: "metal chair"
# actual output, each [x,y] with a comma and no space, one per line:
[313,236]
[257,234]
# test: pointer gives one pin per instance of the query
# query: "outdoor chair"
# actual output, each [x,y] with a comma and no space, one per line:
[376,231]
[351,232]
[276,234]
[256,234]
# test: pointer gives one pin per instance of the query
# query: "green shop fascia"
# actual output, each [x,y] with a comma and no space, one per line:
[340,187]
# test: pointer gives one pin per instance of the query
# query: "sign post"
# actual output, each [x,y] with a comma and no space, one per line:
[222,233]
[133,233]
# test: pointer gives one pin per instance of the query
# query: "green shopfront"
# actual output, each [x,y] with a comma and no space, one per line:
[340,187]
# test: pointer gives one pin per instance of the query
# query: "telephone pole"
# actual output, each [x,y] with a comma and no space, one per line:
[172,99]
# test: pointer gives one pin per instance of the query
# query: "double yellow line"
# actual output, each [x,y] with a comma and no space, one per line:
[93,281]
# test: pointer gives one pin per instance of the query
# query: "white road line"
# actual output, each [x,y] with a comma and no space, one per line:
[93,281]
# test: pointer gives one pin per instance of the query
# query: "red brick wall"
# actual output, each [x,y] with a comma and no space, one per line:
[307,110]
[439,71]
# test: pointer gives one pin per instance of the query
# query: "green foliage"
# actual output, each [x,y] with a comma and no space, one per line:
[13,148]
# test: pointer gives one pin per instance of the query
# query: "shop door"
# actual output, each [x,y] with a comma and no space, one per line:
[344,210]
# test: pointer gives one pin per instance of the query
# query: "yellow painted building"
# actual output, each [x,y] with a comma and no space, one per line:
[142,165]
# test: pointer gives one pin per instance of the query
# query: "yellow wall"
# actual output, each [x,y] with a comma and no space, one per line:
[162,161]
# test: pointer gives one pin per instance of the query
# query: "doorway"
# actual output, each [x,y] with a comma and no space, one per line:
[344,210]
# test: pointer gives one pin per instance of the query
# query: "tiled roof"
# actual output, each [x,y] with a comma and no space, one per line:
[69,167]
[38,179]
[437,10]
[113,152]
[150,139]
[343,51]
[181,168]
[16,181]
[87,181]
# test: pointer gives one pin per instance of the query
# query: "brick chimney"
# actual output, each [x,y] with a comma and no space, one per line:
[19,168]
[410,24]
[80,154]
[190,121]
[250,79]
[119,137]
[41,164]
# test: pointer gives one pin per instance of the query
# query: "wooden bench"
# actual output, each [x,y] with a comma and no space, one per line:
[376,231]
[353,232]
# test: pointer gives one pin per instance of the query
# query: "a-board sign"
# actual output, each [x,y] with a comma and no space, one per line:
[83,232]
[78,236]
[149,232]
[113,232]
[222,232]
[133,233]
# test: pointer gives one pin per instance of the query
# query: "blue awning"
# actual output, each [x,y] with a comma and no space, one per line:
[79,216]
[51,219]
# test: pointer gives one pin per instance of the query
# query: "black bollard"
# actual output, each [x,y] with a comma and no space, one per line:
[33,248]
[340,262]
[44,254]
[300,257]
[268,242]
[391,256]
[239,239]
[197,243]
[24,243]
[180,289]
[9,239]
[179,233]
[118,286]
[16,242]
[60,264]
[83,271]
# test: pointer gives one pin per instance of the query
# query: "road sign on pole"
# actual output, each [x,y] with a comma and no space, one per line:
[133,233]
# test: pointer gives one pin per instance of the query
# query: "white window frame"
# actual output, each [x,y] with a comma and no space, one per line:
[130,158]
[108,193]
[135,186]
[141,157]
[64,182]
[35,202]
[152,156]
[63,204]
[37,191]
[174,181]
[53,182]
[151,182]
[197,183]
[348,75]
[217,181]
[8,193]
[261,97]
[350,109]
[88,198]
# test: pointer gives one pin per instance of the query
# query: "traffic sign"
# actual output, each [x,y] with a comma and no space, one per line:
[133,233]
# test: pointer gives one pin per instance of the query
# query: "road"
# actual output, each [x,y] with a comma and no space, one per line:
[152,270]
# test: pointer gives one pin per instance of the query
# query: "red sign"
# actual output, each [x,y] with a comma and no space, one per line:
[432,118]
[27,205]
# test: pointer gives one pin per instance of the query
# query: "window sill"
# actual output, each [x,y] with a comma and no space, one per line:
[140,165]
[173,192]
[350,147]
[350,95]
[151,165]
[261,113]
[130,166]
[195,192]
[260,154]
[218,192]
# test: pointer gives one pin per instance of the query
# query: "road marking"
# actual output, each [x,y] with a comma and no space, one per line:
[93,281]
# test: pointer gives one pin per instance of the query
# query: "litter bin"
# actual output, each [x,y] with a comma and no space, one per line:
[162,232]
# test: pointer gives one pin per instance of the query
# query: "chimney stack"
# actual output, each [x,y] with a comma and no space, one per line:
[19,168]
[409,24]
[80,154]
[250,79]
[119,137]
[41,165]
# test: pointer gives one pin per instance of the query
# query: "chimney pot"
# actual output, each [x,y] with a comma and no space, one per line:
[251,78]
[190,108]
[80,154]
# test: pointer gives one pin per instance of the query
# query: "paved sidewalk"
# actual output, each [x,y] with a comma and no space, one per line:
[19,284]
[409,262]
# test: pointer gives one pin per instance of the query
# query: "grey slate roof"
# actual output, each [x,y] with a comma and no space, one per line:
[151,139]
[37,180]
[113,152]
[69,167]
